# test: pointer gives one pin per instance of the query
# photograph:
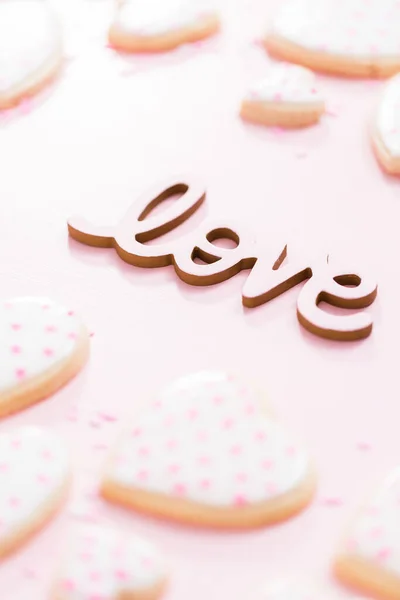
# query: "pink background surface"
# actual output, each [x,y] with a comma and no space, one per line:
[107,130]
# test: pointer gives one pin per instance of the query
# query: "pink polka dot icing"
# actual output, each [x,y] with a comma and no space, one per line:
[375,535]
[35,335]
[102,563]
[388,117]
[363,28]
[206,439]
[286,83]
[34,467]
[29,36]
[156,17]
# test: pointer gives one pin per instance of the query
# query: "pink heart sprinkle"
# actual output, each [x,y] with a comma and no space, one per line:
[16,326]
[240,500]
[268,464]
[204,460]
[136,432]
[236,449]
[193,414]
[121,575]
[174,468]
[14,502]
[42,478]
[70,313]
[179,489]
[16,349]
[228,423]
[205,484]
[261,436]
[68,584]
[48,352]
[72,336]
[383,554]
[20,373]
[142,475]
[218,399]
[242,477]
[51,328]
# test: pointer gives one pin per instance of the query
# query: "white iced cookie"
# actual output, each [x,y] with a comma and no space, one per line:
[386,130]
[349,37]
[30,49]
[287,97]
[102,563]
[34,476]
[369,559]
[159,25]
[206,453]
[42,346]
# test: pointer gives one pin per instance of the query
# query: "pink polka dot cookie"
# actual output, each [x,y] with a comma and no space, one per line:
[30,49]
[34,477]
[42,346]
[160,25]
[358,38]
[369,559]
[104,564]
[206,453]
[386,131]
[286,97]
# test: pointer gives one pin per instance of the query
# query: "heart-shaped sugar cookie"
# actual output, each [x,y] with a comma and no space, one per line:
[286,97]
[30,49]
[159,25]
[348,37]
[34,475]
[103,564]
[369,559]
[206,453]
[42,346]
[386,131]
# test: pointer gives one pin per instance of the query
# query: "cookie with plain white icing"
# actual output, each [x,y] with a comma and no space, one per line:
[286,97]
[369,559]
[358,38]
[103,563]
[205,452]
[42,346]
[160,25]
[30,49]
[34,478]
[386,128]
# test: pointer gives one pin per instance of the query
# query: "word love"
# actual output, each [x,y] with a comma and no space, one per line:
[268,277]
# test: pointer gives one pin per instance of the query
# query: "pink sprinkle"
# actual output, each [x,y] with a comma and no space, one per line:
[204,460]
[121,575]
[278,97]
[45,306]
[205,484]
[171,444]
[16,326]
[91,334]
[15,443]
[332,501]
[174,468]
[268,464]
[86,556]
[242,477]
[179,489]
[16,349]
[271,488]
[376,532]
[109,417]
[157,404]
[143,451]
[314,91]
[95,576]
[352,545]
[261,436]
[364,446]
[290,450]
[42,478]
[7,304]
[236,449]
[20,373]
[383,554]
[250,409]
[228,423]
[240,500]
[218,399]
[100,446]
[201,436]
[14,502]
[136,432]
[193,414]
[26,106]
[142,475]
[51,328]
[72,336]
[48,352]
[29,573]
[4,467]
[69,585]
[70,313]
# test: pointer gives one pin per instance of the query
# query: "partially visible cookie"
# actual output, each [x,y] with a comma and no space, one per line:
[369,558]
[286,97]
[30,49]
[154,26]
[42,346]
[103,564]
[207,453]
[34,478]
[386,128]
[297,589]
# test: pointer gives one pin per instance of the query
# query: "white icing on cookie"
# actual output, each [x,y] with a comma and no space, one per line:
[102,563]
[375,535]
[357,28]
[156,17]
[388,117]
[206,439]
[286,83]
[35,335]
[29,36]
[34,466]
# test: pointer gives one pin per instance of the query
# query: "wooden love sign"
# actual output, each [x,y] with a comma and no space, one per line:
[268,277]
